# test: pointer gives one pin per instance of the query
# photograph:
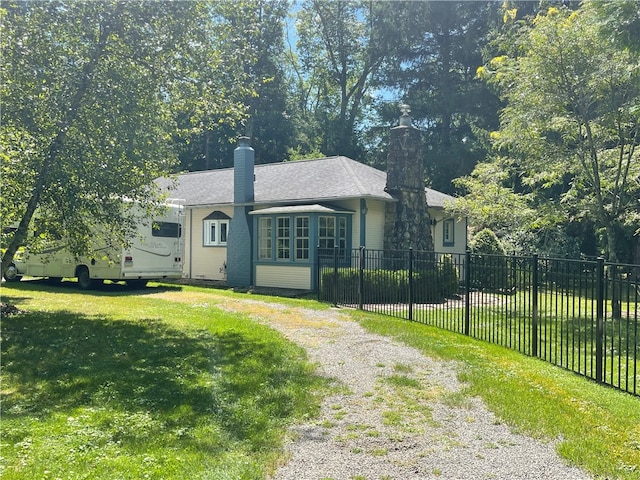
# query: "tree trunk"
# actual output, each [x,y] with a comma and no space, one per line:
[56,145]
[614,276]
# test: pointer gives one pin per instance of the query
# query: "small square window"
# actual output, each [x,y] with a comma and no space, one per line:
[215,232]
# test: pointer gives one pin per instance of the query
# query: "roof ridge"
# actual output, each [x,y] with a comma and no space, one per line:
[201,172]
[346,162]
[291,162]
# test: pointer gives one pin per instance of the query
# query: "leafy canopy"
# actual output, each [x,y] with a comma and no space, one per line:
[571,122]
[90,92]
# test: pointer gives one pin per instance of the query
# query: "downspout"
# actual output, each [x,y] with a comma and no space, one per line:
[190,243]
[363,222]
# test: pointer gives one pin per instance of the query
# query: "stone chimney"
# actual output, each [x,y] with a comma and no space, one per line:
[239,267]
[407,221]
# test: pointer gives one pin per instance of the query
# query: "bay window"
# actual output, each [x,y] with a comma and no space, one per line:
[284,236]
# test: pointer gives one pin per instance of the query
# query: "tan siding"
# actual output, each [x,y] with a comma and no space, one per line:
[375,225]
[283,276]
[459,235]
[200,261]
[355,227]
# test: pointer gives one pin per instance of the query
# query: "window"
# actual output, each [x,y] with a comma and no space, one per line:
[264,238]
[283,238]
[166,229]
[292,238]
[342,234]
[326,233]
[215,229]
[332,232]
[448,228]
[215,232]
[302,238]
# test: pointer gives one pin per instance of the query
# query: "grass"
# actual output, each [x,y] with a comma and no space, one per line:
[597,428]
[566,330]
[163,384]
[114,385]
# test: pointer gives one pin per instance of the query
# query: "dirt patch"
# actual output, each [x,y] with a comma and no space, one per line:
[265,312]
[7,310]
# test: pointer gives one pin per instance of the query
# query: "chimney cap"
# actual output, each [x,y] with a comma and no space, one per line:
[405,118]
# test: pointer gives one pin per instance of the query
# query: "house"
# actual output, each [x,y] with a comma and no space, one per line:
[261,225]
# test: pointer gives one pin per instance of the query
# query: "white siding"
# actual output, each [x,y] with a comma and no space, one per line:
[282,276]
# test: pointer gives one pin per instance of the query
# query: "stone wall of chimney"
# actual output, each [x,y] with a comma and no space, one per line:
[407,221]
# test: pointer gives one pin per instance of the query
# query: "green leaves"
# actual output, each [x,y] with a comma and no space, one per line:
[89,105]
[569,123]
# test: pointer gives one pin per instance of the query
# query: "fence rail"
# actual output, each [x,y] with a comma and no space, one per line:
[581,315]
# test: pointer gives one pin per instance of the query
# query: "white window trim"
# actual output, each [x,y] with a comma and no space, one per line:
[265,239]
[207,241]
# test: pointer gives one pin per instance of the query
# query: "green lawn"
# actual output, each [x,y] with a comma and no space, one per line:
[119,384]
[113,384]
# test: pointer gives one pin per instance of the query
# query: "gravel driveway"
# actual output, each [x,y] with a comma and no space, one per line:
[396,414]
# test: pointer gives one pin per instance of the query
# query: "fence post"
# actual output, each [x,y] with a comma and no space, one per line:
[410,283]
[599,319]
[513,284]
[335,276]
[534,306]
[361,279]
[467,291]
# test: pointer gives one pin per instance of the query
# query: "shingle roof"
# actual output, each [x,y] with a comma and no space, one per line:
[292,209]
[304,181]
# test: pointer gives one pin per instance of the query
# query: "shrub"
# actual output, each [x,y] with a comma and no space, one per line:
[486,242]
[430,285]
[489,263]
[449,277]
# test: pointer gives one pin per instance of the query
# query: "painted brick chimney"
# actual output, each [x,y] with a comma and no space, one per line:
[239,259]
[407,221]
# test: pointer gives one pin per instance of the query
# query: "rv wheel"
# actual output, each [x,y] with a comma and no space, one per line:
[11,275]
[85,282]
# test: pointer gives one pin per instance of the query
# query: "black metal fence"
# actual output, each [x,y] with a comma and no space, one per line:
[581,315]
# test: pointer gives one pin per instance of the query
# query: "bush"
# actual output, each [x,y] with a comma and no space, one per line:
[431,285]
[486,242]
[489,263]
[449,277]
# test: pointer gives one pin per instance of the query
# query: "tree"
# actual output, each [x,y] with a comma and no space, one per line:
[87,93]
[269,124]
[342,46]
[252,32]
[570,125]
[622,20]
[435,74]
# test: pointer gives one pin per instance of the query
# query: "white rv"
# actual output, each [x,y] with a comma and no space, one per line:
[155,252]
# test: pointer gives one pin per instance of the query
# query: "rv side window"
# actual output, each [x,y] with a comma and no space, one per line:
[166,229]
